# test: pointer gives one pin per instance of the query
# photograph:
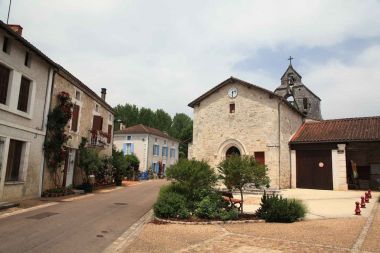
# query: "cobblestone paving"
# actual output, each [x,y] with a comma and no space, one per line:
[243,243]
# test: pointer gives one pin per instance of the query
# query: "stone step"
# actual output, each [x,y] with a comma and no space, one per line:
[6,205]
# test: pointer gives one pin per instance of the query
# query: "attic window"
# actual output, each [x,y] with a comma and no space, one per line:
[77,95]
[232,108]
[27,59]
[6,45]
[305,103]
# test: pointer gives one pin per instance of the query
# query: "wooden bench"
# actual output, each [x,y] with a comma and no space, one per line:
[227,196]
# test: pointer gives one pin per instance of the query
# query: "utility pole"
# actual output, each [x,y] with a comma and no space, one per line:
[9,10]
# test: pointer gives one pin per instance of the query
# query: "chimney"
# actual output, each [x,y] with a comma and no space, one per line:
[104,92]
[121,126]
[16,28]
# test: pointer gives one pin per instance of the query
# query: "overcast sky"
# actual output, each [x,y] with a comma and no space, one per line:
[164,54]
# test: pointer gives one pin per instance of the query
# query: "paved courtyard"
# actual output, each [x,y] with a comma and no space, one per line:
[320,233]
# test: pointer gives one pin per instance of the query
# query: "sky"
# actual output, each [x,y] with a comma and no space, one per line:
[164,54]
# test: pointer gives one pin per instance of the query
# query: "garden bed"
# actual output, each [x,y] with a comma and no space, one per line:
[243,218]
[53,193]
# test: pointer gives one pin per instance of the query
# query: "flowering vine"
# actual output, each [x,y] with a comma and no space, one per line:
[55,136]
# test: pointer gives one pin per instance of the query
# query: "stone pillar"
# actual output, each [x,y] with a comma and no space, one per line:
[338,157]
[293,168]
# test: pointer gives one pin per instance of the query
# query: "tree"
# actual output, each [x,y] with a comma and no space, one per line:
[182,129]
[162,120]
[146,117]
[89,161]
[133,164]
[127,114]
[237,171]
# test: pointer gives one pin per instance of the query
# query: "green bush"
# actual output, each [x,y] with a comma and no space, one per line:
[274,208]
[171,204]
[210,206]
[196,177]
[231,214]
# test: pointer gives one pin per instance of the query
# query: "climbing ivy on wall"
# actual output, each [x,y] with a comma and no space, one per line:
[56,138]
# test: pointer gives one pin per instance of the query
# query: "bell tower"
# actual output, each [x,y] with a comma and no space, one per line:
[301,97]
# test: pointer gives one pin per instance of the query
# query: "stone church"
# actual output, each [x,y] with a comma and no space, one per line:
[284,130]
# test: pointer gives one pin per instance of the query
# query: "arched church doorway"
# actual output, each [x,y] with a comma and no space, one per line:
[232,151]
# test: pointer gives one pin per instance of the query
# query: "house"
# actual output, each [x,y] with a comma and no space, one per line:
[92,118]
[285,131]
[154,148]
[26,77]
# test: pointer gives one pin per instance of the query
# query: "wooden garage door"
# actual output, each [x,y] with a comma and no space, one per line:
[314,169]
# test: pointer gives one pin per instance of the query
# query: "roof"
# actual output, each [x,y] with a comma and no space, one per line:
[55,65]
[66,74]
[249,85]
[290,68]
[339,130]
[26,43]
[141,129]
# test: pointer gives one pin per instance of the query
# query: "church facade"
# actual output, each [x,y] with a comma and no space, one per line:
[242,118]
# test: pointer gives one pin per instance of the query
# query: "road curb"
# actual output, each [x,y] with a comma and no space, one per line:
[208,222]
[121,243]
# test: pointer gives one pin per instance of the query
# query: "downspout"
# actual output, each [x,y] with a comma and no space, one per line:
[279,144]
[48,95]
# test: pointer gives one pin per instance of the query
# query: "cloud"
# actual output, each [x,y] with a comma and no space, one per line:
[164,54]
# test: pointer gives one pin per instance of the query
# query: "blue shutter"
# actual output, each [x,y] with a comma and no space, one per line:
[158,149]
[124,148]
[157,167]
[132,148]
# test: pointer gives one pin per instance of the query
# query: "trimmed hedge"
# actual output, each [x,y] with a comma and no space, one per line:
[171,204]
[274,208]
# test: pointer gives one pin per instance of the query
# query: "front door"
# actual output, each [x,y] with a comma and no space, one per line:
[314,169]
[69,167]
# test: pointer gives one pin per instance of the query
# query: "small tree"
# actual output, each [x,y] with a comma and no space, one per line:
[237,171]
[89,161]
[133,164]
[196,177]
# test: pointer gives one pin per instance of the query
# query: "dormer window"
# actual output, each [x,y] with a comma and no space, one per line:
[6,45]
[27,59]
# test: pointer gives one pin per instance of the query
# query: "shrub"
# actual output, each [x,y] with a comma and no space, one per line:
[171,204]
[89,161]
[196,178]
[210,206]
[274,208]
[231,214]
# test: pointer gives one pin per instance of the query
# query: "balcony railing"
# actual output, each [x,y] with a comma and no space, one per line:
[98,138]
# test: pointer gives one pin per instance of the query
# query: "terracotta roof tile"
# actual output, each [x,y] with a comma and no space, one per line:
[339,130]
[141,129]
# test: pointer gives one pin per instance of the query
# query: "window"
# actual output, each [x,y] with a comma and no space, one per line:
[128,148]
[23,97]
[96,108]
[165,151]
[110,117]
[4,81]
[6,45]
[155,140]
[97,123]
[27,60]
[260,157]
[14,160]
[305,103]
[156,150]
[172,152]
[77,95]
[74,118]
[164,141]
[232,108]
[129,138]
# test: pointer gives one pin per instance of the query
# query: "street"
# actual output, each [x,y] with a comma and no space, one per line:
[84,225]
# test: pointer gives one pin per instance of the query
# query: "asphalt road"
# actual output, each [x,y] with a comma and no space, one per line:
[86,225]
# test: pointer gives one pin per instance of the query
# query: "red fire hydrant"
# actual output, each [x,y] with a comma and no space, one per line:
[357,209]
[362,204]
[366,198]
[369,194]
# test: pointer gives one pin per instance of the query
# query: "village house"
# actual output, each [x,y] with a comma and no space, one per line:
[92,118]
[154,148]
[26,77]
[284,130]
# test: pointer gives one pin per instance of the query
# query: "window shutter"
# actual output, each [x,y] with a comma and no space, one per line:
[109,133]
[97,123]
[125,148]
[74,120]
[4,80]
[260,157]
[23,97]
[132,148]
